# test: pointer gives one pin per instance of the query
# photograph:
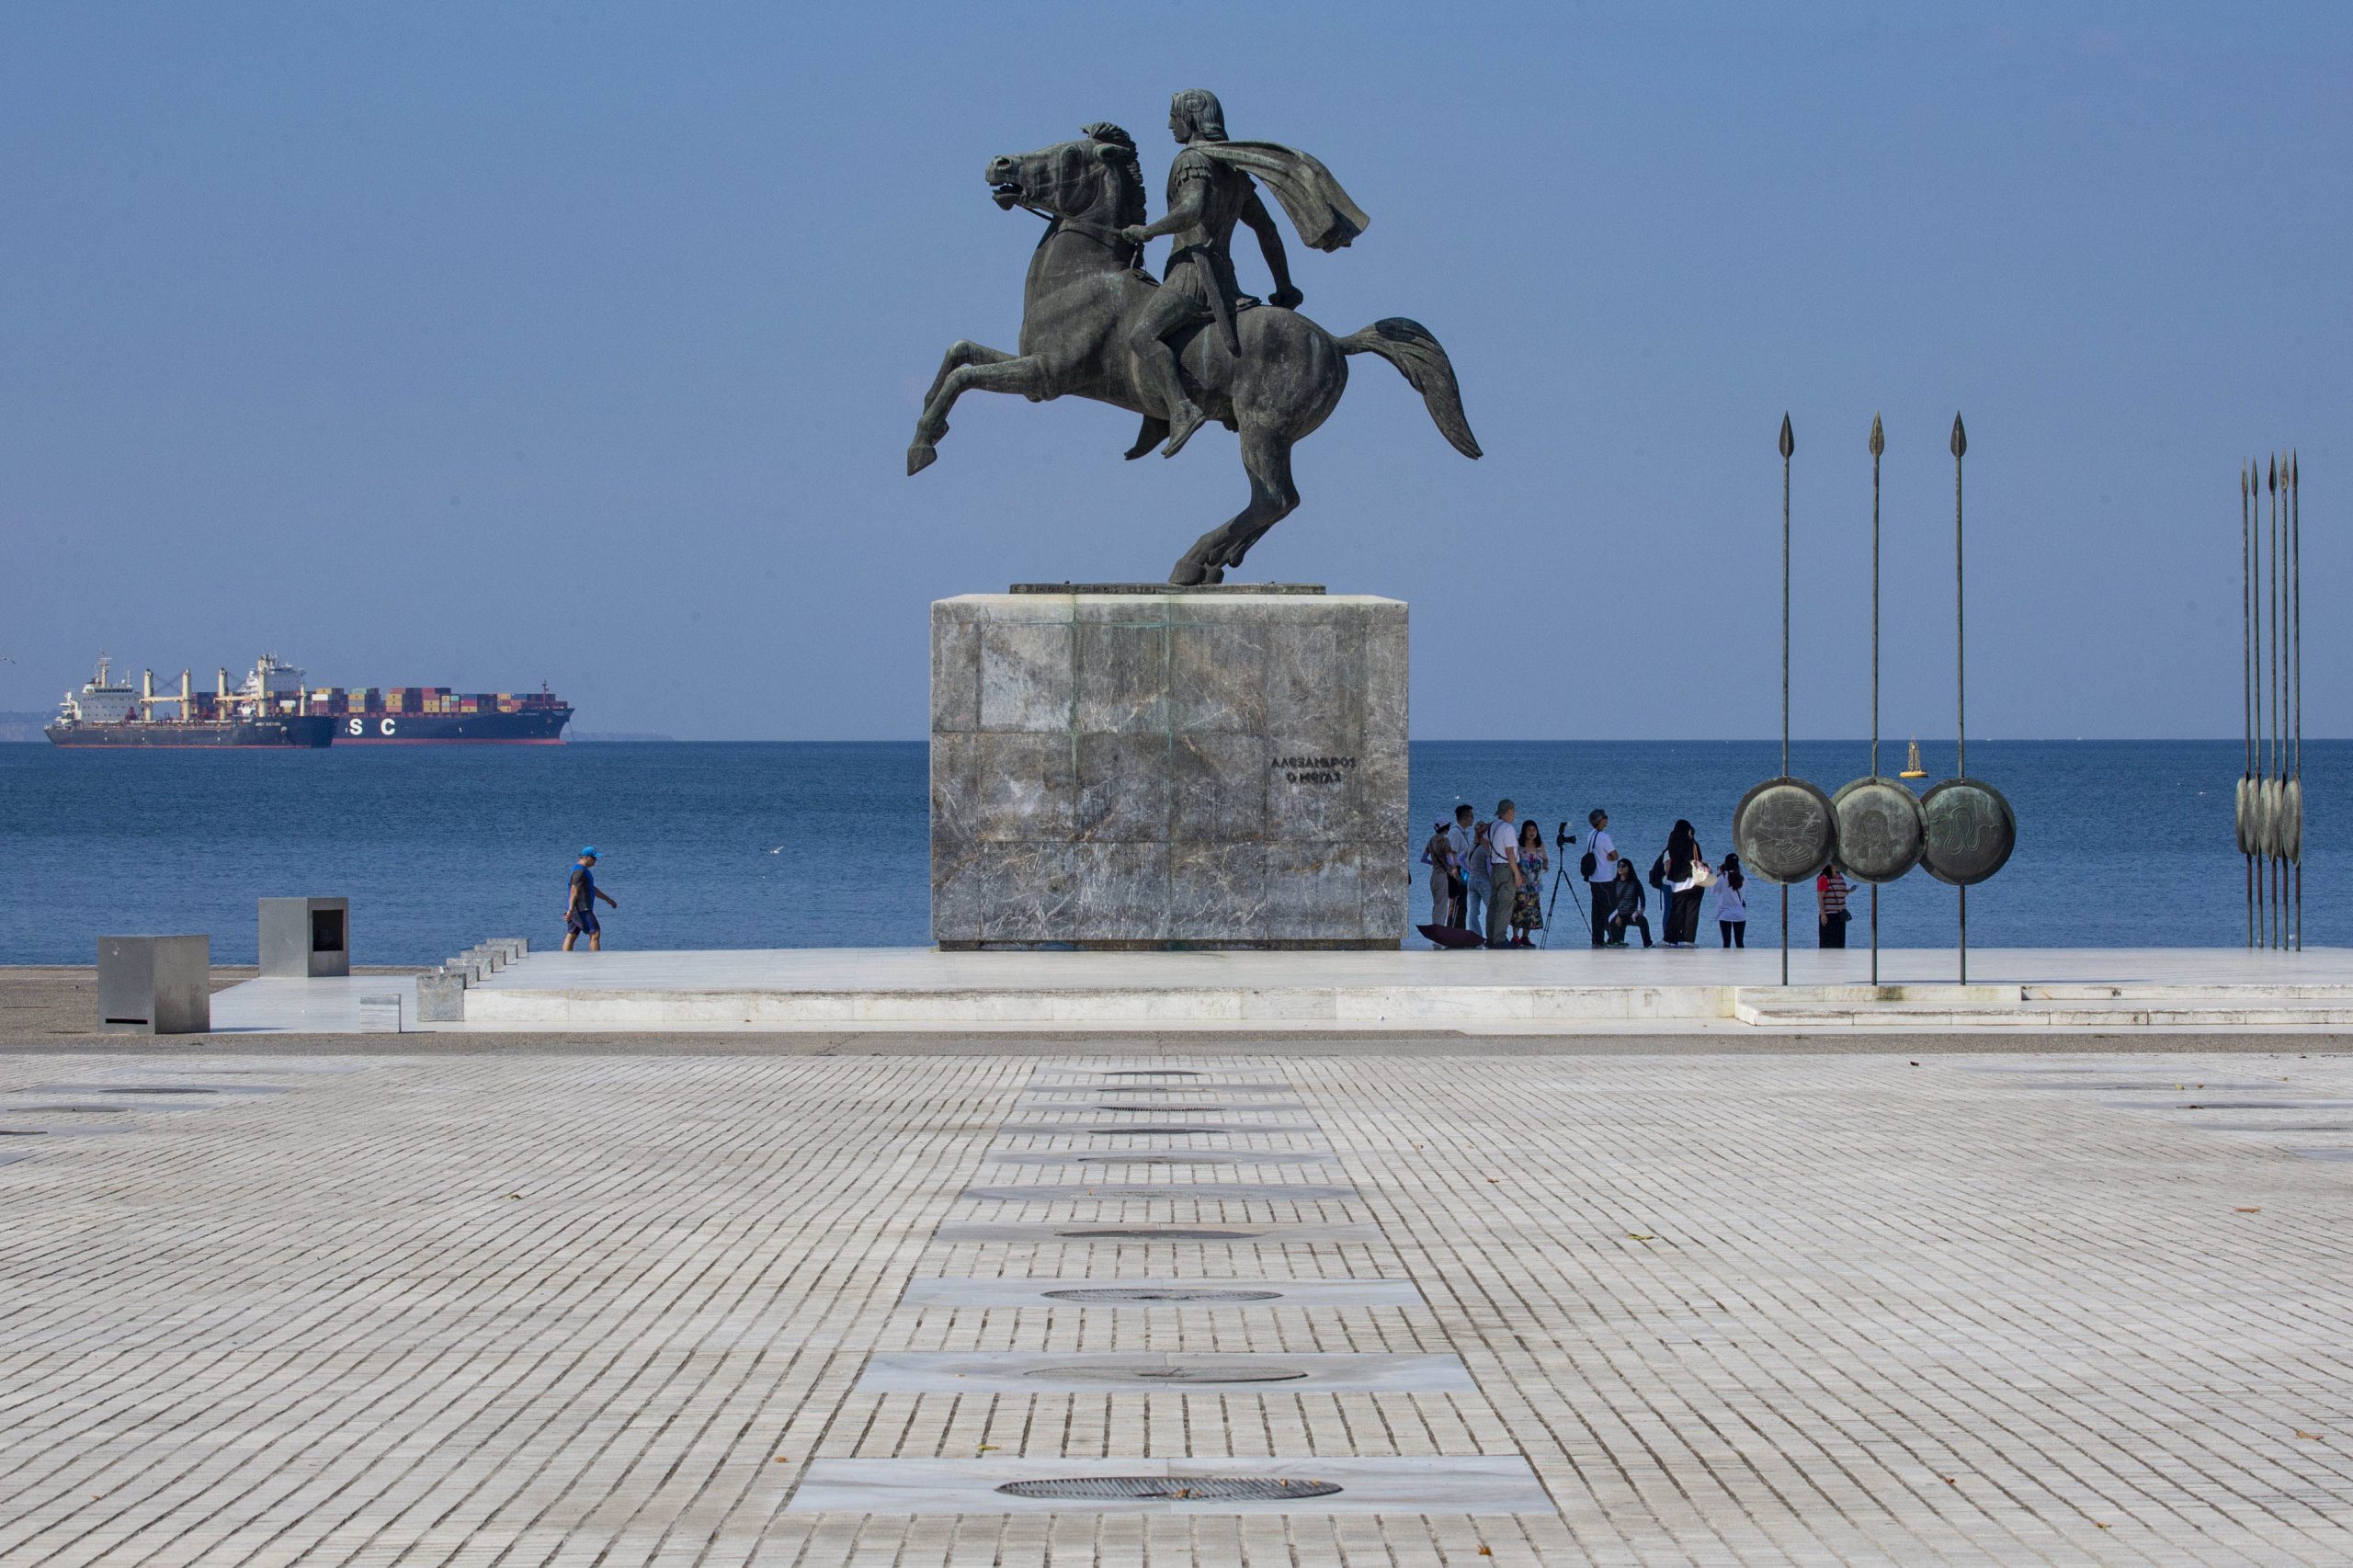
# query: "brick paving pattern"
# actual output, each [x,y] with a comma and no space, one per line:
[508,1309]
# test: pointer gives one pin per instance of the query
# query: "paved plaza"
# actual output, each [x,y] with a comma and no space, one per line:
[1423,1308]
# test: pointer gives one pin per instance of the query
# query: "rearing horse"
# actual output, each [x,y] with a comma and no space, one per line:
[1086,285]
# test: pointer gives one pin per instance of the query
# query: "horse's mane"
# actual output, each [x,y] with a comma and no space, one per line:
[1127,172]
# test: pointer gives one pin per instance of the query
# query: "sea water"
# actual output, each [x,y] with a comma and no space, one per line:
[2120,843]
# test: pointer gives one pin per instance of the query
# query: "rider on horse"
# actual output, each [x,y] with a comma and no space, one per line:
[1210,190]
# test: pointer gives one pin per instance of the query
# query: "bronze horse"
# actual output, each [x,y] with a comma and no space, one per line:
[1085,287]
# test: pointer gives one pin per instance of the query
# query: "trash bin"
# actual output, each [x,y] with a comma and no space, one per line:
[306,938]
[154,985]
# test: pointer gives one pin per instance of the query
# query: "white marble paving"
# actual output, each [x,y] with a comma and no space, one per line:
[327,1006]
[1702,989]
[482,1306]
[926,970]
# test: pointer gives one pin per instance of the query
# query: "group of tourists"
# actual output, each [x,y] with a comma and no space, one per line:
[1488,881]
[1487,877]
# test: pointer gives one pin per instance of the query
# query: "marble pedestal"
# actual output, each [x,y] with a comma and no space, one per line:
[1138,767]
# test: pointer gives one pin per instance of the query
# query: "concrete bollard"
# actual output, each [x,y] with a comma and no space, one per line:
[441,997]
[471,967]
[305,939]
[154,985]
[513,947]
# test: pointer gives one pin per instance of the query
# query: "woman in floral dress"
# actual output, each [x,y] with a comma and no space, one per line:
[1528,903]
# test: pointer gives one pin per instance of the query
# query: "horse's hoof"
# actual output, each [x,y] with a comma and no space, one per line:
[1190,573]
[921,455]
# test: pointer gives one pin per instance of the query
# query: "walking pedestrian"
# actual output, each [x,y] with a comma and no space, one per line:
[1599,867]
[1625,896]
[580,905]
[1830,890]
[1527,900]
[1732,903]
[1503,870]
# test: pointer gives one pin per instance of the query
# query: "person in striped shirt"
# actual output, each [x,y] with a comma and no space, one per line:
[1830,888]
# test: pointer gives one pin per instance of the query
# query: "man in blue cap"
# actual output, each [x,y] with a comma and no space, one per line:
[580,910]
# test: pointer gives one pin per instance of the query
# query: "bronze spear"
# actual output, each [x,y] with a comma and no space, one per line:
[2240,818]
[2279,728]
[1879,445]
[1961,657]
[1789,445]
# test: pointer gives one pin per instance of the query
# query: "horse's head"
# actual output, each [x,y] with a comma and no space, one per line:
[1094,178]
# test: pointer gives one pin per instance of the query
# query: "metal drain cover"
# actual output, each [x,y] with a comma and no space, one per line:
[1174,1488]
[1150,1072]
[69,1110]
[1160,1293]
[161,1089]
[1211,1372]
[1148,1131]
[1167,1233]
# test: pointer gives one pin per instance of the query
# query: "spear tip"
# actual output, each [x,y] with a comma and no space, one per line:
[1788,441]
[2293,471]
[2275,471]
[1959,436]
[1879,438]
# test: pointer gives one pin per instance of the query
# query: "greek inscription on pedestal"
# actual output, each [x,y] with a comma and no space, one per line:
[1312,769]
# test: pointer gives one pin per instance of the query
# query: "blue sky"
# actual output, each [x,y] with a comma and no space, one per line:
[477,345]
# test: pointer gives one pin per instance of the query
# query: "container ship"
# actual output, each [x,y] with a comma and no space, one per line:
[275,707]
[258,713]
[434,715]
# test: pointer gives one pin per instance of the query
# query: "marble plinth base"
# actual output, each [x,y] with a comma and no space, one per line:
[1167,769]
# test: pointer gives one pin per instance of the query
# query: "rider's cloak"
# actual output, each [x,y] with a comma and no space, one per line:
[1319,209]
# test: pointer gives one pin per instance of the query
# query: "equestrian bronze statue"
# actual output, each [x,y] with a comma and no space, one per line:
[1192,347]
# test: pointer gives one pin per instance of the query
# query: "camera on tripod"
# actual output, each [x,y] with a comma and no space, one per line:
[1564,838]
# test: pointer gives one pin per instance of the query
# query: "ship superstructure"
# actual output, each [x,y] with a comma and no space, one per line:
[105,713]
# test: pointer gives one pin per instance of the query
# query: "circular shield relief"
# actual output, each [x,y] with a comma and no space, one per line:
[1971,830]
[1784,830]
[1880,831]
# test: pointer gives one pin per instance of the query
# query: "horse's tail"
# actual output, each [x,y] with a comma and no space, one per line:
[1409,346]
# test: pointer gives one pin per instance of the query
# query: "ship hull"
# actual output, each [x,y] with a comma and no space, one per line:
[539,727]
[301,731]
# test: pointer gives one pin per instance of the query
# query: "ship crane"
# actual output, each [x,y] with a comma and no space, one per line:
[148,699]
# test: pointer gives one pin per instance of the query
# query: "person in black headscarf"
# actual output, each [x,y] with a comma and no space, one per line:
[1684,876]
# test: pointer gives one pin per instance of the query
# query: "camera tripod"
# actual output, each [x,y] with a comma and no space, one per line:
[1560,875]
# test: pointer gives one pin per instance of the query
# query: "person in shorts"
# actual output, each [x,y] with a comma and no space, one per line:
[1601,881]
[580,908]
